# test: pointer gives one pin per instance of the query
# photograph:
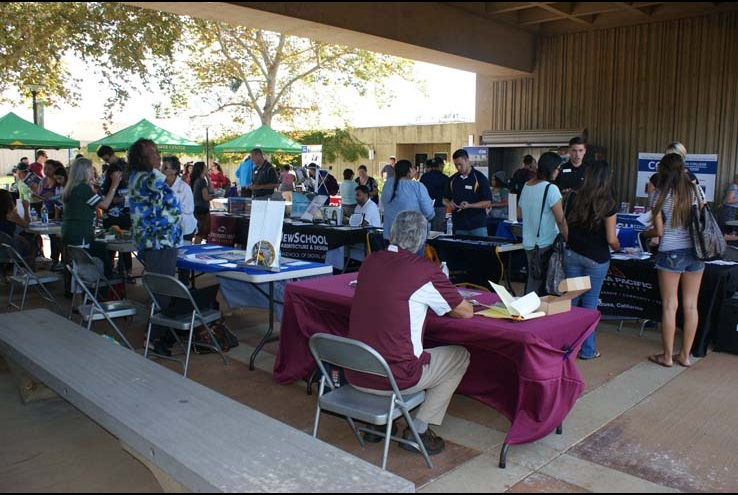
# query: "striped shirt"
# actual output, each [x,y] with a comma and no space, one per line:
[675,237]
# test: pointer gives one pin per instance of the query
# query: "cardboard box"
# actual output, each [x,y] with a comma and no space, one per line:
[571,288]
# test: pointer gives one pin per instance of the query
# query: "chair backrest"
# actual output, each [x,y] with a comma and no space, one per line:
[350,354]
[80,282]
[157,284]
[89,270]
[374,241]
[20,264]
[5,257]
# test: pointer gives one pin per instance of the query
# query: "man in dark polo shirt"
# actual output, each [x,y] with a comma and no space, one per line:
[436,182]
[469,195]
[395,289]
[571,173]
[265,176]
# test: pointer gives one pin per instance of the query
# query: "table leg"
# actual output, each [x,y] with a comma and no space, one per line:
[503,455]
[268,335]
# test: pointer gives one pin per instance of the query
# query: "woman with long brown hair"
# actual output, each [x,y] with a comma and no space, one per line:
[591,217]
[676,264]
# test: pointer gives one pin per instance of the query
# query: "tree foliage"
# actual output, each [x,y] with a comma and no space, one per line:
[336,143]
[266,74]
[245,72]
[127,45]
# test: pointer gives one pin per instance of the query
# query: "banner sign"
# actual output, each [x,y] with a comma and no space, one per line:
[704,167]
[479,158]
[631,290]
[312,153]
[301,245]
[629,221]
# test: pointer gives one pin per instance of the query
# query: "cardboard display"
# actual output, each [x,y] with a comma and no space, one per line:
[571,288]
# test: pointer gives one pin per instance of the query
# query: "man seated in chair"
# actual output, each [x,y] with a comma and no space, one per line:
[395,289]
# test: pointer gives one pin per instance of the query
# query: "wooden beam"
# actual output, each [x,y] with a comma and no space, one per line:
[552,13]
[501,7]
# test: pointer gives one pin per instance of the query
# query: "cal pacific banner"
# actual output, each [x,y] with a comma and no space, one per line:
[704,167]
[631,290]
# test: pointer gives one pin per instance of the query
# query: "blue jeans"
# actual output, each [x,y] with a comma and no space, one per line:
[478,232]
[576,265]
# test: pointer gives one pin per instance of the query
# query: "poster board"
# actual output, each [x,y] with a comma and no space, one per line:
[704,167]
[312,153]
[265,234]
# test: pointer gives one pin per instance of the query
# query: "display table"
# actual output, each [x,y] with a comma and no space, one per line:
[525,370]
[235,278]
[631,291]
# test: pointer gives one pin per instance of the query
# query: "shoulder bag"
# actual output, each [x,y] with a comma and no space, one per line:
[539,260]
[707,239]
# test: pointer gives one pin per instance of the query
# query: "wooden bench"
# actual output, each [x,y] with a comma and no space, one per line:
[191,437]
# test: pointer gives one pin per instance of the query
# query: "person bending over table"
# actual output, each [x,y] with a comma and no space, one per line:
[395,289]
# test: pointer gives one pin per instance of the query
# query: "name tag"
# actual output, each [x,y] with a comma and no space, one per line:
[566,171]
[468,187]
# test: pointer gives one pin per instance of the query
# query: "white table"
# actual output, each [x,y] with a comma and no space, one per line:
[290,269]
[51,228]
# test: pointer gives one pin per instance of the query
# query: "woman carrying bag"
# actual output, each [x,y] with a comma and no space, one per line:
[543,218]
[591,217]
[676,262]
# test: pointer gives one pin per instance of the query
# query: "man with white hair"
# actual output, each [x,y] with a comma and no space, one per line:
[395,289]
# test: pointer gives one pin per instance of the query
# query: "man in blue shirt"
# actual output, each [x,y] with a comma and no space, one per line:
[244,175]
[436,182]
[469,195]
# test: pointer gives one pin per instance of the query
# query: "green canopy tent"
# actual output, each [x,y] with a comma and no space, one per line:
[165,140]
[269,140]
[17,133]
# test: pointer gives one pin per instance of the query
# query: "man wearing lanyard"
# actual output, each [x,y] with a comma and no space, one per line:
[571,174]
[469,195]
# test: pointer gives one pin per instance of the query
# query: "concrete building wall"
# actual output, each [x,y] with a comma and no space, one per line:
[405,141]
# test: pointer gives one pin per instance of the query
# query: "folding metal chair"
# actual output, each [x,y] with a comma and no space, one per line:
[158,285]
[23,275]
[90,273]
[355,404]
[91,309]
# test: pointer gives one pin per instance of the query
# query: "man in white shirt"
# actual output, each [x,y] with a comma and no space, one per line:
[367,208]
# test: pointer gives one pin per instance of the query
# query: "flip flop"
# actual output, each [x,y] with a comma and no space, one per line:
[659,359]
[675,357]
[596,355]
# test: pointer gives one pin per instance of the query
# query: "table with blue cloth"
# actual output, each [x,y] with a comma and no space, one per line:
[249,285]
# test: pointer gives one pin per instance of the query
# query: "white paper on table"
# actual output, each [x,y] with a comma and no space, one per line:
[522,306]
[356,219]
[512,207]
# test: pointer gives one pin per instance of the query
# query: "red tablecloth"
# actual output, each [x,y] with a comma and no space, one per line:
[525,370]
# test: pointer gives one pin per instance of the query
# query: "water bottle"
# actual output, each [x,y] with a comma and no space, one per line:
[34,215]
[44,215]
[444,268]
[449,225]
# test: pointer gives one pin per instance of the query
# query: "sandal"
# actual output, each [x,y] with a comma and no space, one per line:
[596,355]
[660,360]
[675,357]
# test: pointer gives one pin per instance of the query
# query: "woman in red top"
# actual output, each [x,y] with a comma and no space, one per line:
[217,177]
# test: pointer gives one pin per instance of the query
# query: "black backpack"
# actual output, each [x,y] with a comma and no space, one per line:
[331,184]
